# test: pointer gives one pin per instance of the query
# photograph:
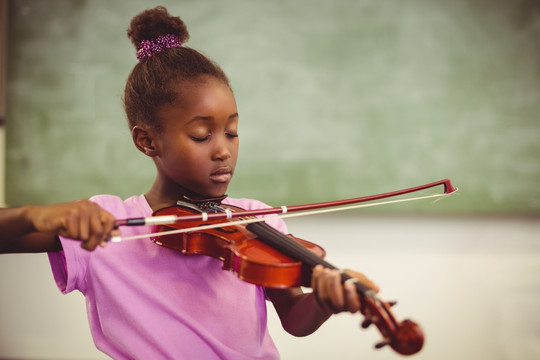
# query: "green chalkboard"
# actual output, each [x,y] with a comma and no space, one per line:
[337,99]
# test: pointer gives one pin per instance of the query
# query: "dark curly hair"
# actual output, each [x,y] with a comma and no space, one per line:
[153,82]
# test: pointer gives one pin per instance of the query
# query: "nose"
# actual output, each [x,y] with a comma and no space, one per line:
[221,149]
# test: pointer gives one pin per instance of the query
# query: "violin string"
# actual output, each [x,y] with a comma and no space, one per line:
[281,216]
[287,246]
[295,250]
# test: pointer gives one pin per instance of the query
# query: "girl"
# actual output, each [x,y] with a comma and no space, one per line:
[149,302]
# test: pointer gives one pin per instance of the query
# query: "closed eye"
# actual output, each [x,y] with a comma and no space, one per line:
[200,139]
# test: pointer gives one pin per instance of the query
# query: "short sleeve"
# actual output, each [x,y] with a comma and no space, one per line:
[70,265]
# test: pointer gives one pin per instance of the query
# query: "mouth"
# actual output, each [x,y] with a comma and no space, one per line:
[221,175]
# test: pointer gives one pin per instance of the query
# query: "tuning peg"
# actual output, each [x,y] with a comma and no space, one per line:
[365,324]
[382,344]
[391,303]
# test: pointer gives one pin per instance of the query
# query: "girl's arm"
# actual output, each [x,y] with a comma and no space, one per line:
[36,228]
[303,313]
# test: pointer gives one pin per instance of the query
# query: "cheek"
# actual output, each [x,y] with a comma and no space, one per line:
[235,149]
[181,157]
[189,158]
[196,157]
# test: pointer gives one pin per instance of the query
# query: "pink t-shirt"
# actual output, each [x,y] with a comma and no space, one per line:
[146,301]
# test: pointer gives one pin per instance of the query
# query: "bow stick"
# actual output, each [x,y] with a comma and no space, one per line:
[227,214]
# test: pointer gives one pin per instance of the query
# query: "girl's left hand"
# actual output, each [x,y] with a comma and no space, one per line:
[333,296]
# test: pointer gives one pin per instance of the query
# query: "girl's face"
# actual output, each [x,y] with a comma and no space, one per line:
[198,142]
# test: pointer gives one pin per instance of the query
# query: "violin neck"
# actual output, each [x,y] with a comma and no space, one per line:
[293,249]
[286,245]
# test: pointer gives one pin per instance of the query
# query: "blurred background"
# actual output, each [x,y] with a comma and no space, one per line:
[337,99]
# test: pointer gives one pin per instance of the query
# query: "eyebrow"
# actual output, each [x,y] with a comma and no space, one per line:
[209,118]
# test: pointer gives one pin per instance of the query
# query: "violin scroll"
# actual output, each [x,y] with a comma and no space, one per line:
[409,338]
[405,337]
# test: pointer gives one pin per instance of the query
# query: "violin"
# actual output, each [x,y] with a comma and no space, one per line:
[259,254]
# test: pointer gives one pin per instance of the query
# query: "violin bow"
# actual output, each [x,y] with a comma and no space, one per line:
[281,212]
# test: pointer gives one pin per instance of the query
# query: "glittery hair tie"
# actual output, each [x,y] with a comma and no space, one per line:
[147,48]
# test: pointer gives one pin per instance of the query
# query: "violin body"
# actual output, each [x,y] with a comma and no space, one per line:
[259,254]
[241,252]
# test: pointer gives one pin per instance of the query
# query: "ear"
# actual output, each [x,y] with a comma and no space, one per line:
[143,138]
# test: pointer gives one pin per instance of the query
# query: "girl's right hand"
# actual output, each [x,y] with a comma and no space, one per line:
[80,220]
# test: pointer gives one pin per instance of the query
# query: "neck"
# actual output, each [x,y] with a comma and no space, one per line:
[163,194]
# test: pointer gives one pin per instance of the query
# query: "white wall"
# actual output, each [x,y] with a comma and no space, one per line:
[473,284]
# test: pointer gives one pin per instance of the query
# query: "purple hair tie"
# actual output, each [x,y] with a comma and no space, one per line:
[147,48]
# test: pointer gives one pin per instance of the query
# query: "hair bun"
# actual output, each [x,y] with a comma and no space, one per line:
[156,22]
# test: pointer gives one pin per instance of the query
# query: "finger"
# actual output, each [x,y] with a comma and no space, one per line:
[84,221]
[115,232]
[335,289]
[362,279]
[90,225]
[315,275]
[98,234]
[70,226]
[352,298]
[318,289]
[109,223]
[327,285]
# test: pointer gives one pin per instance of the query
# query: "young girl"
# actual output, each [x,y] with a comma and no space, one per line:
[146,301]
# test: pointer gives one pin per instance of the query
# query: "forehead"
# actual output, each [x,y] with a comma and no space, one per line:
[209,95]
[198,86]
[203,97]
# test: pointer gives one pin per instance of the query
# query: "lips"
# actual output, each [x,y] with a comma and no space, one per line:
[221,175]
